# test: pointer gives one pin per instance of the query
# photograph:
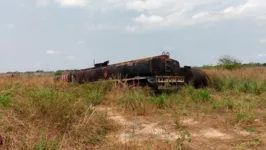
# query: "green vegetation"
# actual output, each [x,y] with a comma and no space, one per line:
[40,115]
[58,73]
[36,113]
[231,63]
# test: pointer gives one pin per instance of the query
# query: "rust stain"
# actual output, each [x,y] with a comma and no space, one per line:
[162,57]
[105,74]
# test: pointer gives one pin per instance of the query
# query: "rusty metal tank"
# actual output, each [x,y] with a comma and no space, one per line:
[194,76]
[161,65]
[157,71]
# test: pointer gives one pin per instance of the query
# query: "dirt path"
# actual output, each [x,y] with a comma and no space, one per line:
[205,135]
[140,128]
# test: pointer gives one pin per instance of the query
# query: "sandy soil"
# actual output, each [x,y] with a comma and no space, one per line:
[207,134]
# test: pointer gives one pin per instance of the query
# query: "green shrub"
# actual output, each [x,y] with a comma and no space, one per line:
[230,83]
[5,98]
[228,62]
[58,73]
[133,100]
[216,104]
[228,103]
[160,101]
[200,96]
[217,83]
[244,111]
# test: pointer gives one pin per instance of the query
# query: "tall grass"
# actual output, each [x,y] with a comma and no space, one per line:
[36,113]
[244,80]
[226,94]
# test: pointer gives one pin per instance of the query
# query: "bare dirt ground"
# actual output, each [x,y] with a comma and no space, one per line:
[208,132]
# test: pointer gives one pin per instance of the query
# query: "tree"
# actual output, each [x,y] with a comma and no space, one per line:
[229,62]
[58,72]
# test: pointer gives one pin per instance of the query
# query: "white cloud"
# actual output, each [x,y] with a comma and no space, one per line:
[228,10]
[70,58]
[51,52]
[245,10]
[176,13]
[169,13]
[153,19]
[200,15]
[130,28]
[263,40]
[140,5]
[73,2]
[100,26]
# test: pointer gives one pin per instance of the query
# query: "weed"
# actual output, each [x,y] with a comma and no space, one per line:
[31,104]
[244,112]
[5,98]
[200,96]
[228,103]
[160,101]
[217,83]
[184,135]
[216,104]
[251,130]
[46,145]
[134,101]
[251,144]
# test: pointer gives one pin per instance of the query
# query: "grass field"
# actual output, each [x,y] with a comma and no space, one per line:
[36,113]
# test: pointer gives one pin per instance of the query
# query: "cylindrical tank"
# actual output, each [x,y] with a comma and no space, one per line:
[159,65]
[194,76]
[200,78]
[153,66]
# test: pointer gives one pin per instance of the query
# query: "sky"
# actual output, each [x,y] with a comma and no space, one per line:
[70,34]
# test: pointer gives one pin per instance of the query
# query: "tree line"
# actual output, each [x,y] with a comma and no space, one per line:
[229,62]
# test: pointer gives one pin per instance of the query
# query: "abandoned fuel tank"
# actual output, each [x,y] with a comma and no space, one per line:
[194,76]
[146,67]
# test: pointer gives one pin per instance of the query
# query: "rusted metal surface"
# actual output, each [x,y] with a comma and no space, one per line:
[200,78]
[142,67]
[65,77]
[158,71]
[194,76]
[161,57]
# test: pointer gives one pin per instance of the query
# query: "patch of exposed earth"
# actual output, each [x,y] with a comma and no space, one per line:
[141,129]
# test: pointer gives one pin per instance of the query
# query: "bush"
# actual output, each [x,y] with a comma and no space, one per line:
[228,62]
[58,73]
[5,98]
[200,96]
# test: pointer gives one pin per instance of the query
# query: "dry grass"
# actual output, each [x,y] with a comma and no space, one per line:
[254,73]
[36,113]
[247,80]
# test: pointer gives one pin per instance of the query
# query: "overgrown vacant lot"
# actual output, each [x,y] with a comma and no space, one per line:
[36,113]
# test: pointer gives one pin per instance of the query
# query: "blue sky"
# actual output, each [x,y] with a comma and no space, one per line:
[69,34]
